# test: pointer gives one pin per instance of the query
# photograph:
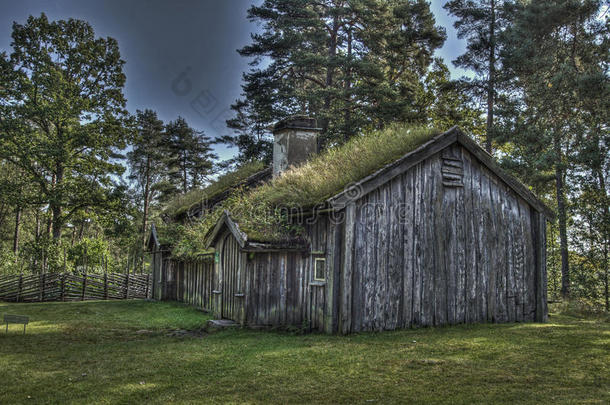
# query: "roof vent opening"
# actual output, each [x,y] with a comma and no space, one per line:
[295,140]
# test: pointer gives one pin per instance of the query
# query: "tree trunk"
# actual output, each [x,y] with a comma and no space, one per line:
[348,86]
[37,224]
[332,52]
[562,220]
[146,197]
[606,242]
[491,82]
[56,208]
[16,234]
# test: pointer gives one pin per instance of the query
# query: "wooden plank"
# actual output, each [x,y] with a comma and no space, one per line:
[446,282]
[348,259]
[428,248]
[509,218]
[395,254]
[470,241]
[334,294]
[371,268]
[418,245]
[441,237]
[406,238]
[461,246]
[539,227]
[488,232]
[382,288]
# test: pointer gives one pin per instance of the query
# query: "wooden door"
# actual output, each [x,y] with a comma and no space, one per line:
[229,267]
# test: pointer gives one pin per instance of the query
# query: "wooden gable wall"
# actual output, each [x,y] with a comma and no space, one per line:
[446,242]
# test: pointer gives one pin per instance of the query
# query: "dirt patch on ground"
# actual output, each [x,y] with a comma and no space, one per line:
[186,333]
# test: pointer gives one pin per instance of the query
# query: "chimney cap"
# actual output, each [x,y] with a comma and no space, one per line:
[296,122]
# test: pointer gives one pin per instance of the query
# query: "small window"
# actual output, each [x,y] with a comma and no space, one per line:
[320,270]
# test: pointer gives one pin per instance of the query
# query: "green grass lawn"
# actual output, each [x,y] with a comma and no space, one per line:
[123,352]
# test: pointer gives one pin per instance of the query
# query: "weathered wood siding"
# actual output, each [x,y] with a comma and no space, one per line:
[168,279]
[446,242]
[280,286]
[194,283]
[230,277]
[156,264]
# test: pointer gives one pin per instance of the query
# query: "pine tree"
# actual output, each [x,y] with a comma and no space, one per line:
[481,22]
[189,156]
[251,136]
[146,159]
[556,51]
[353,65]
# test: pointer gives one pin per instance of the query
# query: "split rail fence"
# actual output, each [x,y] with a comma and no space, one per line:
[74,287]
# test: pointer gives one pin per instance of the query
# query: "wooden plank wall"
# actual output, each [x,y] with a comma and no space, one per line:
[280,288]
[446,242]
[230,277]
[157,286]
[194,282]
[277,289]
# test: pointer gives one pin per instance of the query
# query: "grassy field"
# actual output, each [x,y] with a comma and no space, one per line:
[128,352]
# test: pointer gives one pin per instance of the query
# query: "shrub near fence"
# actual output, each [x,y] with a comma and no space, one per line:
[74,287]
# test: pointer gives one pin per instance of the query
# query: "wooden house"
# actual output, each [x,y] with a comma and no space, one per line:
[440,236]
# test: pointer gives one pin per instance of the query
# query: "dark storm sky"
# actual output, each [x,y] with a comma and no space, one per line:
[180,55]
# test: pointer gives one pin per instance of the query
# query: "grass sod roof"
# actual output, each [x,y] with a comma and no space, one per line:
[258,212]
[184,202]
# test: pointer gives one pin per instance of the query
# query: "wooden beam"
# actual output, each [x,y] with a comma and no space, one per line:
[347,268]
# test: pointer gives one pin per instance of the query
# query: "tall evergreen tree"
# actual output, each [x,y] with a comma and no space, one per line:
[351,64]
[189,156]
[556,50]
[146,159]
[481,23]
[251,135]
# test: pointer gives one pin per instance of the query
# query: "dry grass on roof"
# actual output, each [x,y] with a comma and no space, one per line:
[338,167]
[256,210]
[184,202]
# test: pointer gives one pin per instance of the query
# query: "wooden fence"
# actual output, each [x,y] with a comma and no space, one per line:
[74,287]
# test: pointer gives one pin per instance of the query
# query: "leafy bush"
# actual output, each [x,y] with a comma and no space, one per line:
[89,253]
[9,262]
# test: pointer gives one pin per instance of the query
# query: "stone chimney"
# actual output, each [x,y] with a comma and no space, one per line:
[295,140]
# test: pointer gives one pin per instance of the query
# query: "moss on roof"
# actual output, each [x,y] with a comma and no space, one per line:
[185,202]
[258,211]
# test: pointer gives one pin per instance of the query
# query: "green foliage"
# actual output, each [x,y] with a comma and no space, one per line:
[44,254]
[9,262]
[354,66]
[62,112]
[556,52]
[89,253]
[189,157]
[482,23]
[251,135]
